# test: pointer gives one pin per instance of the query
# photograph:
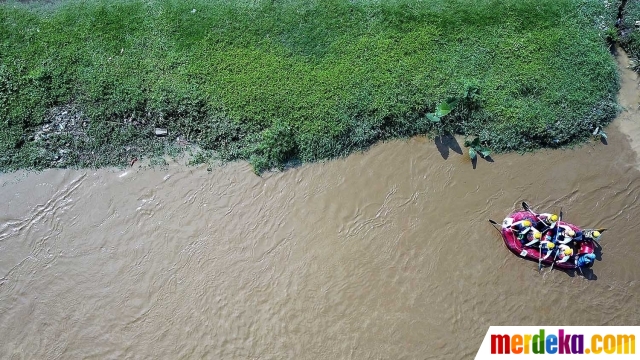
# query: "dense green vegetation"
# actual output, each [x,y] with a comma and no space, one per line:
[629,34]
[84,83]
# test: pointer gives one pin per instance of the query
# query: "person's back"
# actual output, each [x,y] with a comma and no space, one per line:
[579,237]
[546,248]
[585,260]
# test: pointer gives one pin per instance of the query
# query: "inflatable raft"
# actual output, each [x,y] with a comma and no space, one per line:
[533,253]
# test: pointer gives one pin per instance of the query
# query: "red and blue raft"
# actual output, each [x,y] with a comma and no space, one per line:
[533,253]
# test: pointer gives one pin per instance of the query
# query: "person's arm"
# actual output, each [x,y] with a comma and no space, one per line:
[563,260]
[566,241]
[530,243]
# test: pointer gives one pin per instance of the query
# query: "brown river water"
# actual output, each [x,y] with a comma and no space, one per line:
[386,254]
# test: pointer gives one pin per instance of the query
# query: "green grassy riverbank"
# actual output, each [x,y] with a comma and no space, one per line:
[85,83]
[628,34]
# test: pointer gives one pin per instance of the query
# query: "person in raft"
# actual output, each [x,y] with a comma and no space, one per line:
[565,253]
[549,235]
[533,236]
[591,235]
[588,235]
[585,260]
[547,248]
[566,234]
[520,228]
[547,220]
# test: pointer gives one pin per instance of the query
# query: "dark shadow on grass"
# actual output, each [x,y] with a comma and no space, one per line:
[447,142]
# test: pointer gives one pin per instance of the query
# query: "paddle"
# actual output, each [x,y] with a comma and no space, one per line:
[523,253]
[495,223]
[540,258]
[527,208]
[556,239]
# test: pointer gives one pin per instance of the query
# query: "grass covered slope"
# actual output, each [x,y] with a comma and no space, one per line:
[84,83]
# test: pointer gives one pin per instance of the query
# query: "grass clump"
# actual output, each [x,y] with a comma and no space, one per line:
[274,82]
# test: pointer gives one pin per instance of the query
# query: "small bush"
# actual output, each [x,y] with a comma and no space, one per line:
[274,148]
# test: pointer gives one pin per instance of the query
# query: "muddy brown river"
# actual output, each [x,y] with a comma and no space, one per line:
[386,254]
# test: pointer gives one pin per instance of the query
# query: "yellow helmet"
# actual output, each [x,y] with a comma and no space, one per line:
[553,217]
[571,233]
[551,245]
[568,251]
[537,235]
[526,223]
[596,234]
